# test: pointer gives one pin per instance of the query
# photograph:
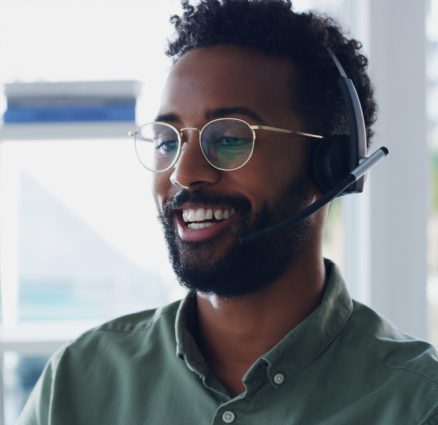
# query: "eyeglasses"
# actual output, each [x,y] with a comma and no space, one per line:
[226,143]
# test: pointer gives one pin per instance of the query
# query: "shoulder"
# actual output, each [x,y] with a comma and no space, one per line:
[396,369]
[127,352]
[141,321]
[128,334]
[396,352]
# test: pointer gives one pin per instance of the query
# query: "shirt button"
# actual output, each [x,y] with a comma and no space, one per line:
[278,378]
[228,417]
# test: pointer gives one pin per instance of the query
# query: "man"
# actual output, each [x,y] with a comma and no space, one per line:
[268,332]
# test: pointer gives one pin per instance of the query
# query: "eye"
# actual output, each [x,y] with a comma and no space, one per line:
[231,148]
[229,142]
[166,147]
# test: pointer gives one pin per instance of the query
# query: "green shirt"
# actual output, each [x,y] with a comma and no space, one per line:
[342,365]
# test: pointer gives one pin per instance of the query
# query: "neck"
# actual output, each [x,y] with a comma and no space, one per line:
[235,332]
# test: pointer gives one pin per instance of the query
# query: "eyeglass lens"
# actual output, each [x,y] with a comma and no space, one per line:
[157,146]
[227,144]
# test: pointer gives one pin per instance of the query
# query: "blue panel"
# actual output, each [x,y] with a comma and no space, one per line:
[76,113]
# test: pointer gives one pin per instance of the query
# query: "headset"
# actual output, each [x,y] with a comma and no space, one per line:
[338,154]
[339,162]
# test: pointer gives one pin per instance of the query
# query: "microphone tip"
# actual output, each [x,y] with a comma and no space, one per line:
[385,150]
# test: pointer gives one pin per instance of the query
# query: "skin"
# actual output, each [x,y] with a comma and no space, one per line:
[234,332]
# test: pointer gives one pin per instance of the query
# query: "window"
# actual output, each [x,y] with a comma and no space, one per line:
[79,240]
[86,248]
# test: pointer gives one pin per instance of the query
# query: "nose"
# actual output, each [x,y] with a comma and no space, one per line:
[192,169]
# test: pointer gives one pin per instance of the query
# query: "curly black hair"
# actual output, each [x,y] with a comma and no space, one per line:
[272,27]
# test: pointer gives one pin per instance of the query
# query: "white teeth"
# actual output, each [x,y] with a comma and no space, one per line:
[199,225]
[218,214]
[191,215]
[201,214]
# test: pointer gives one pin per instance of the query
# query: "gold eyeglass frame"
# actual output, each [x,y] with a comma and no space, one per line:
[179,133]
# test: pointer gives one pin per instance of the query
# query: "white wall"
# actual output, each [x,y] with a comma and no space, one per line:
[398,204]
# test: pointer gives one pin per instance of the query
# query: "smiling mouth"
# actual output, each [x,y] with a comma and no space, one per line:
[202,218]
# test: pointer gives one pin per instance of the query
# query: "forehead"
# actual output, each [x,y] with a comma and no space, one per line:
[224,76]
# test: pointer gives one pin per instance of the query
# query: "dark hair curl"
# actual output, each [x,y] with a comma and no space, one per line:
[272,27]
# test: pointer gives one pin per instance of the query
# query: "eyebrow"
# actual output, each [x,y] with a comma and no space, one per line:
[216,113]
[234,110]
[170,117]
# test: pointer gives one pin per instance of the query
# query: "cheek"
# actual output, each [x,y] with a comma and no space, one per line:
[281,164]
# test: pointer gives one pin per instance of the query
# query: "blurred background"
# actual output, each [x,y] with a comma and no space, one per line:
[79,239]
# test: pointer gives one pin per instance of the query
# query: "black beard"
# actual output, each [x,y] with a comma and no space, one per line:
[244,268]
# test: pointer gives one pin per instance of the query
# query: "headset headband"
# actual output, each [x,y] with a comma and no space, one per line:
[356,124]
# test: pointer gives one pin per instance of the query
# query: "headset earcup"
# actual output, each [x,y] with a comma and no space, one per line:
[330,161]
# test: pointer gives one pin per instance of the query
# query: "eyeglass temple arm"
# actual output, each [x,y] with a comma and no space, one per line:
[283,130]
[133,133]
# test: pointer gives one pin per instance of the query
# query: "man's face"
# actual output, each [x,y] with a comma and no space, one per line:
[230,81]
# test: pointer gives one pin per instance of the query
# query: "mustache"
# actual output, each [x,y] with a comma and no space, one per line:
[201,196]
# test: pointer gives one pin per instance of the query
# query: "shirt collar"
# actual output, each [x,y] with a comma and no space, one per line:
[298,348]
[314,334]
[186,346]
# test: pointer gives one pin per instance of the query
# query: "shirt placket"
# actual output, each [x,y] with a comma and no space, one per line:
[233,411]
